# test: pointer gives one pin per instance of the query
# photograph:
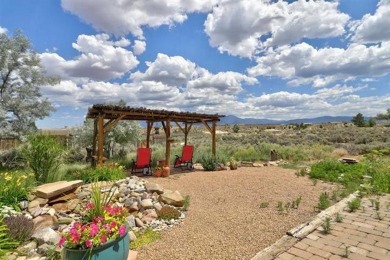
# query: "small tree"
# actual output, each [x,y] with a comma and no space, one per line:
[384,116]
[21,75]
[358,120]
[371,122]
[236,128]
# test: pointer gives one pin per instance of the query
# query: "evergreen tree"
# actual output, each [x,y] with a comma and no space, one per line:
[358,120]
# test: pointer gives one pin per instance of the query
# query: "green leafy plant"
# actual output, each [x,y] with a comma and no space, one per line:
[346,251]
[186,202]
[264,205]
[109,172]
[354,204]
[168,213]
[280,207]
[43,155]
[323,202]
[6,242]
[296,202]
[20,228]
[377,205]
[145,237]
[16,186]
[339,217]
[326,225]
[99,200]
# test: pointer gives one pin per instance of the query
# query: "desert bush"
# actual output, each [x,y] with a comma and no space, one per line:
[12,159]
[44,156]
[324,201]
[73,155]
[209,162]
[107,172]
[70,171]
[15,186]
[20,228]
[168,213]
[340,152]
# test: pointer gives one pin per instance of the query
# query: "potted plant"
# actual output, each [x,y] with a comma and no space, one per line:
[102,232]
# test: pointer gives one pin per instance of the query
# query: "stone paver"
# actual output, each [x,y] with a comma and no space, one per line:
[361,235]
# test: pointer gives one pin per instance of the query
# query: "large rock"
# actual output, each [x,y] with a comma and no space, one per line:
[51,190]
[173,198]
[147,203]
[43,221]
[153,187]
[47,235]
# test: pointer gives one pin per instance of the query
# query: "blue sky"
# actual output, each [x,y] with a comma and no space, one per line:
[249,58]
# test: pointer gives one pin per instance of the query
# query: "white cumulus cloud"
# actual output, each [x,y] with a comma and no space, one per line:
[302,63]
[100,59]
[121,17]
[373,28]
[246,26]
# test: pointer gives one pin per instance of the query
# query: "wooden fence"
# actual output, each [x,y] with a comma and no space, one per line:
[8,143]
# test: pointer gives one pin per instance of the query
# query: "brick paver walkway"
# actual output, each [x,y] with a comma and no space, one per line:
[363,234]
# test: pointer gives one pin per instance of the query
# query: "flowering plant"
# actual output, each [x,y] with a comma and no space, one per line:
[98,231]
[102,222]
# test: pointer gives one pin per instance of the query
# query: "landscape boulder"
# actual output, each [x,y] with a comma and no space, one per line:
[173,198]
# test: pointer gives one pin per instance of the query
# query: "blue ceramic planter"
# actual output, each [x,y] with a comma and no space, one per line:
[117,249]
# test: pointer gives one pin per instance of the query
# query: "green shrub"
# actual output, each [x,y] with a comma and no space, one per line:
[168,213]
[326,225]
[44,156]
[74,156]
[15,186]
[108,172]
[324,201]
[12,159]
[20,228]
[209,162]
[145,237]
[186,202]
[70,171]
[354,204]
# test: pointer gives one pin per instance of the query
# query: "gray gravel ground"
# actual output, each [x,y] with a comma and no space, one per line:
[225,220]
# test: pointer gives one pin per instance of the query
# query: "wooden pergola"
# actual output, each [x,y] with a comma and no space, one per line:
[106,117]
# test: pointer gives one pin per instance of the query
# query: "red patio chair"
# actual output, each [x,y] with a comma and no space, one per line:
[143,162]
[186,158]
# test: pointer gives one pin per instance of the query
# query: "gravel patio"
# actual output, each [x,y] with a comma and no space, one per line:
[225,220]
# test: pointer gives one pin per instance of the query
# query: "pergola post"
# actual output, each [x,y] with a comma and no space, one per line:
[100,131]
[213,136]
[93,162]
[148,130]
[167,142]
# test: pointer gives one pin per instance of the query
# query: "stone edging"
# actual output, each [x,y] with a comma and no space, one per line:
[301,231]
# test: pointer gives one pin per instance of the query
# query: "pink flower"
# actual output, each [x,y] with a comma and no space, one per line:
[62,241]
[88,243]
[94,229]
[103,239]
[122,230]
[90,205]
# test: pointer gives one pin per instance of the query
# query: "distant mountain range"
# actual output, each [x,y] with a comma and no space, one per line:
[231,120]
